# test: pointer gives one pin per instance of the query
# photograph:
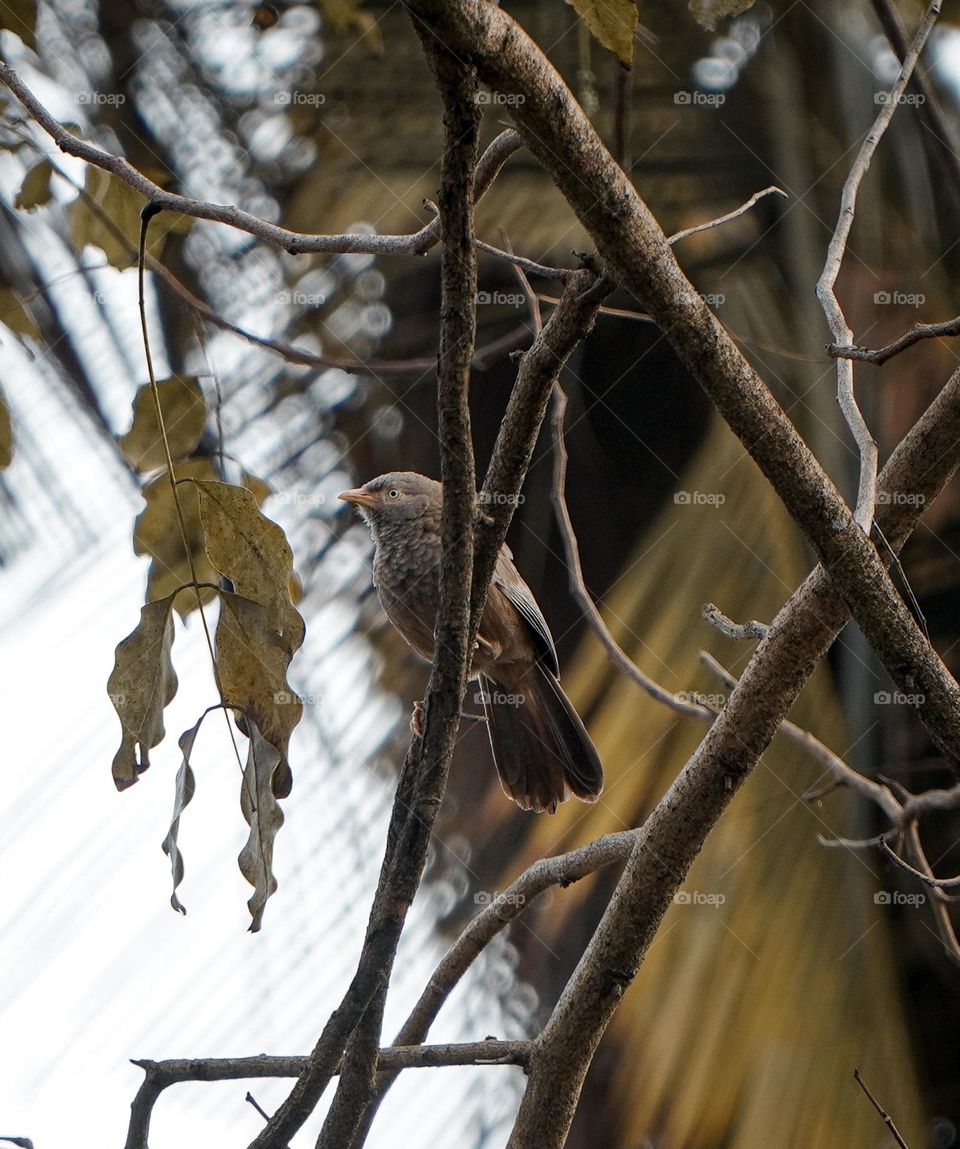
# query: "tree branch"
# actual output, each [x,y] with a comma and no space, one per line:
[867,487]
[160,1075]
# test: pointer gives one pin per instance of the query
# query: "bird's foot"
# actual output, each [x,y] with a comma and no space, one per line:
[416,720]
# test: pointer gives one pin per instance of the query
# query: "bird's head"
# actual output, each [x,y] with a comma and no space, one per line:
[395,498]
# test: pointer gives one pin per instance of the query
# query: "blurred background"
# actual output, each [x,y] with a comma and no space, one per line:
[784,966]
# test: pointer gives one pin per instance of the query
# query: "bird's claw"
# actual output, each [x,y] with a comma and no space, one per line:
[416,720]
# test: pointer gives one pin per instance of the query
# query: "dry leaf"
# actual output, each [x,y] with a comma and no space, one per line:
[613,22]
[252,552]
[157,533]
[184,418]
[708,13]
[140,685]
[20,16]
[35,190]
[184,790]
[264,817]
[122,206]
[252,661]
[14,313]
[6,434]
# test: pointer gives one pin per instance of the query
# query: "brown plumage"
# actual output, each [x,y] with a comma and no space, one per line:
[542,751]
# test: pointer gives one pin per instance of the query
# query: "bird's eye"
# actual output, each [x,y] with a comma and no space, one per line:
[394,494]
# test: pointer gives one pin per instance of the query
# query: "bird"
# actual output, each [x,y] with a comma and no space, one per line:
[541,748]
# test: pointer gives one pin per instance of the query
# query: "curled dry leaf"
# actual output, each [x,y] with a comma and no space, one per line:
[140,685]
[184,790]
[258,801]
[252,551]
[184,418]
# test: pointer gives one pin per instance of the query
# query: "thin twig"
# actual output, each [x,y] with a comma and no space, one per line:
[879,355]
[737,631]
[744,207]
[867,486]
[887,1119]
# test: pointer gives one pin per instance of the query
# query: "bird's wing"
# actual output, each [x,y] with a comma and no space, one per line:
[507,578]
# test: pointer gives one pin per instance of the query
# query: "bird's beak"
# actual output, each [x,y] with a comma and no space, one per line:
[358,497]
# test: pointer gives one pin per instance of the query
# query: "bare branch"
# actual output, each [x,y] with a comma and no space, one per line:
[867,488]
[744,207]
[738,631]
[160,1075]
[887,1119]
[880,355]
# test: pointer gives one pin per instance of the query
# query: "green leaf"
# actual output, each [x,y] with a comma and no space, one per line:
[35,190]
[140,685]
[184,790]
[252,552]
[613,23]
[184,417]
[258,801]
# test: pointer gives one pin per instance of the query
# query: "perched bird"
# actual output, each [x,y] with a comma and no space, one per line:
[541,749]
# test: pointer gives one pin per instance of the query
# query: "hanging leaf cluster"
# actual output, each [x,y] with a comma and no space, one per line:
[208,540]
